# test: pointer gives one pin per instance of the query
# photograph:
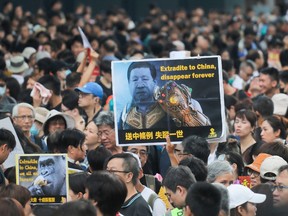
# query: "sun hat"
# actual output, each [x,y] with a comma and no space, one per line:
[28,51]
[280,102]
[17,64]
[40,114]
[70,122]
[239,194]
[258,161]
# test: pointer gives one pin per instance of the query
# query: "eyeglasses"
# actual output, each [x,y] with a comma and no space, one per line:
[119,171]
[24,117]
[141,152]
[278,187]
[105,133]
[255,173]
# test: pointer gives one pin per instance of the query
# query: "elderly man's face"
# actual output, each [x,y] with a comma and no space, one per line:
[107,136]
[53,170]
[141,85]
[280,194]
[24,119]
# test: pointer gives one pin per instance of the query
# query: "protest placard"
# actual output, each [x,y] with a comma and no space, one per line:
[10,161]
[157,97]
[45,176]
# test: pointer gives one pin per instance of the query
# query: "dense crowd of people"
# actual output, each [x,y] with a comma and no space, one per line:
[59,97]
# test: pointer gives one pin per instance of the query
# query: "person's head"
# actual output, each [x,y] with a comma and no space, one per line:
[203,199]
[265,207]
[97,158]
[177,182]
[271,129]
[77,182]
[125,166]
[23,115]
[107,191]
[10,207]
[220,171]
[53,169]
[57,121]
[141,78]
[18,192]
[280,189]
[90,95]
[105,68]
[283,81]
[269,168]
[71,141]
[52,83]
[76,208]
[253,169]
[245,123]
[224,208]
[274,148]
[72,80]
[76,45]
[263,107]
[196,146]
[197,167]
[106,131]
[235,160]
[269,80]
[257,57]
[7,144]
[141,151]
[283,58]
[92,140]
[243,200]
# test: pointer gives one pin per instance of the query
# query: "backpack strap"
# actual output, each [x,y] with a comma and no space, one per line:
[152,199]
[150,181]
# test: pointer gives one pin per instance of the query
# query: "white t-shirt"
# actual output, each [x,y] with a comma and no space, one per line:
[159,207]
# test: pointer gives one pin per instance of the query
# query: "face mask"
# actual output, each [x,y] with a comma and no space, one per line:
[34,130]
[2,90]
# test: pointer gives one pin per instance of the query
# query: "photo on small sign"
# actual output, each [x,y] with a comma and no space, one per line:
[44,175]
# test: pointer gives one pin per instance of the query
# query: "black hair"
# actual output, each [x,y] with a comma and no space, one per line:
[135,65]
[52,142]
[197,167]
[274,148]
[276,124]
[70,99]
[97,158]
[18,192]
[197,146]
[105,66]
[47,65]
[7,137]
[283,76]
[76,208]
[51,83]
[178,176]
[14,87]
[77,182]
[203,199]
[249,115]
[73,79]
[109,191]
[272,72]
[130,164]
[227,65]
[70,137]
[233,157]
[253,55]
[264,105]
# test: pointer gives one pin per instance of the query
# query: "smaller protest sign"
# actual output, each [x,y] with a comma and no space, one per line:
[45,176]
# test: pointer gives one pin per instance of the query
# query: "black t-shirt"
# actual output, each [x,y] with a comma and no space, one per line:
[136,206]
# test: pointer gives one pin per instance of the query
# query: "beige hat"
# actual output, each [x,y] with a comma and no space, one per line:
[40,114]
[70,122]
[28,51]
[17,64]
[270,166]
[280,102]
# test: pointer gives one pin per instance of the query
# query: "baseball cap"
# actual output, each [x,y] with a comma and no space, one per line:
[239,194]
[91,88]
[270,166]
[258,161]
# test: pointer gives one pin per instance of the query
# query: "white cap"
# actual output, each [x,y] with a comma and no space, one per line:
[270,166]
[239,194]
[27,52]
[280,102]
